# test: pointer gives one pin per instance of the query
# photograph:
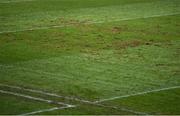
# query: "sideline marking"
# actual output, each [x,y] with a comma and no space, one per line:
[85,101]
[45,93]
[121,109]
[34,98]
[47,110]
[98,101]
[136,94]
[98,22]
[38,91]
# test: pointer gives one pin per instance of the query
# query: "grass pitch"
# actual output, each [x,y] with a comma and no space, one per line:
[89,57]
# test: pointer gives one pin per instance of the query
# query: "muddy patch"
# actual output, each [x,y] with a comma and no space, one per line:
[129,43]
[116,30]
[65,21]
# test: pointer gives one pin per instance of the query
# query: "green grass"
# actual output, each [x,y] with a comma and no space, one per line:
[34,14]
[164,102]
[134,49]
[16,105]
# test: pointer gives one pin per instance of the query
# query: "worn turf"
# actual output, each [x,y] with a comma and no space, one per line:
[91,51]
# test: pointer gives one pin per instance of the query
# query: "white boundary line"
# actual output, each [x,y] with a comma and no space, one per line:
[81,100]
[60,26]
[143,17]
[55,95]
[39,91]
[47,110]
[95,102]
[45,93]
[136,94]
[34,98]
[121,109]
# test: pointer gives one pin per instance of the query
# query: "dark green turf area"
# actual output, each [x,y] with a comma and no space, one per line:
[17,105]
[100,49]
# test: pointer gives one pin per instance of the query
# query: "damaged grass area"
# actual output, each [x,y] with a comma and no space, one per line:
[93,50]
[91,39]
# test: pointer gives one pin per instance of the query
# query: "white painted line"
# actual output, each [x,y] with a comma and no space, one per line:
[144,17]
[60,26]
[40,111]
[55,95]
[30,90]
[133,111]
[42,92]
[136,94]
[57,108]
[47,110]
[34,98]
[45,93]
[122,109]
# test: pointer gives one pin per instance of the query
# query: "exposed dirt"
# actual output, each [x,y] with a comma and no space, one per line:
[72,21]
[116,30]
[130,43]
